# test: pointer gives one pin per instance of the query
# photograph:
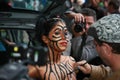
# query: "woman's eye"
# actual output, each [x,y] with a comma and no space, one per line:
[57,33]
[66,33]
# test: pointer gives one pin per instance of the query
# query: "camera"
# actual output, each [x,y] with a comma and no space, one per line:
[15,58]
[27,55]
[22,53]
[80,26]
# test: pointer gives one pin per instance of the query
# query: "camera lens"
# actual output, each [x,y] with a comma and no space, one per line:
[79,27]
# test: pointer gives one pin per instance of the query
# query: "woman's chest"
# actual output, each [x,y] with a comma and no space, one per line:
[57,72]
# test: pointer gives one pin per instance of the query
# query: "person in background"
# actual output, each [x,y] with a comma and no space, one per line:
[95,6]
[83,47]
[88,51]
[106,33]
[19,4]
[53,34]
[113,7]
[71,15]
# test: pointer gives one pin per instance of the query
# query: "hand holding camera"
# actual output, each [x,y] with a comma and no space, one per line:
[80,26]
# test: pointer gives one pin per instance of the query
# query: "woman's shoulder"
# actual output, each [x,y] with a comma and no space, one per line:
[67,58]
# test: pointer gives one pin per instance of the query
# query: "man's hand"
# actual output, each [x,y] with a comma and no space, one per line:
[84,67]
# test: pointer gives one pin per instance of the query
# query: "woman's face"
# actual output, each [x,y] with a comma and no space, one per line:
[58,37]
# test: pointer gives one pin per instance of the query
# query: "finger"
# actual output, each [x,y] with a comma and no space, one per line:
[81,17]
[85,68]
[81,62]
[77,19]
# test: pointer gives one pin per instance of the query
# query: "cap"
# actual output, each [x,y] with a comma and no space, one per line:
[107,28]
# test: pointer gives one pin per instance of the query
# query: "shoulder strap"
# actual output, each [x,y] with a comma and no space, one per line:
[80,49]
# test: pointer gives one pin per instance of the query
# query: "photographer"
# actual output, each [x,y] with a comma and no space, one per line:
[82,44]
[83,47]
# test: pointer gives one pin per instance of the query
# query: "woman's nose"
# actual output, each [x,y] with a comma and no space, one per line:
[64,36]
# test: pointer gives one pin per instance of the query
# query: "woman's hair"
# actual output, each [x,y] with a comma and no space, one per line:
[44,26]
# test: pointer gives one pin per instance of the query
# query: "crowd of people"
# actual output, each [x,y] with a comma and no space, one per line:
[93,31]
[89,31]
[36,5]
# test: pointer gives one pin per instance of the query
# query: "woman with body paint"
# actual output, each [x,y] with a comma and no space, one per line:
[53,34]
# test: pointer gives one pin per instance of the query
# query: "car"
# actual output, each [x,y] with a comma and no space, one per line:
[17,30]
[18,20]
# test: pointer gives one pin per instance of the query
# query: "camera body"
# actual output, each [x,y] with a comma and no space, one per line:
[23,53]
[79,27]
[29,55]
